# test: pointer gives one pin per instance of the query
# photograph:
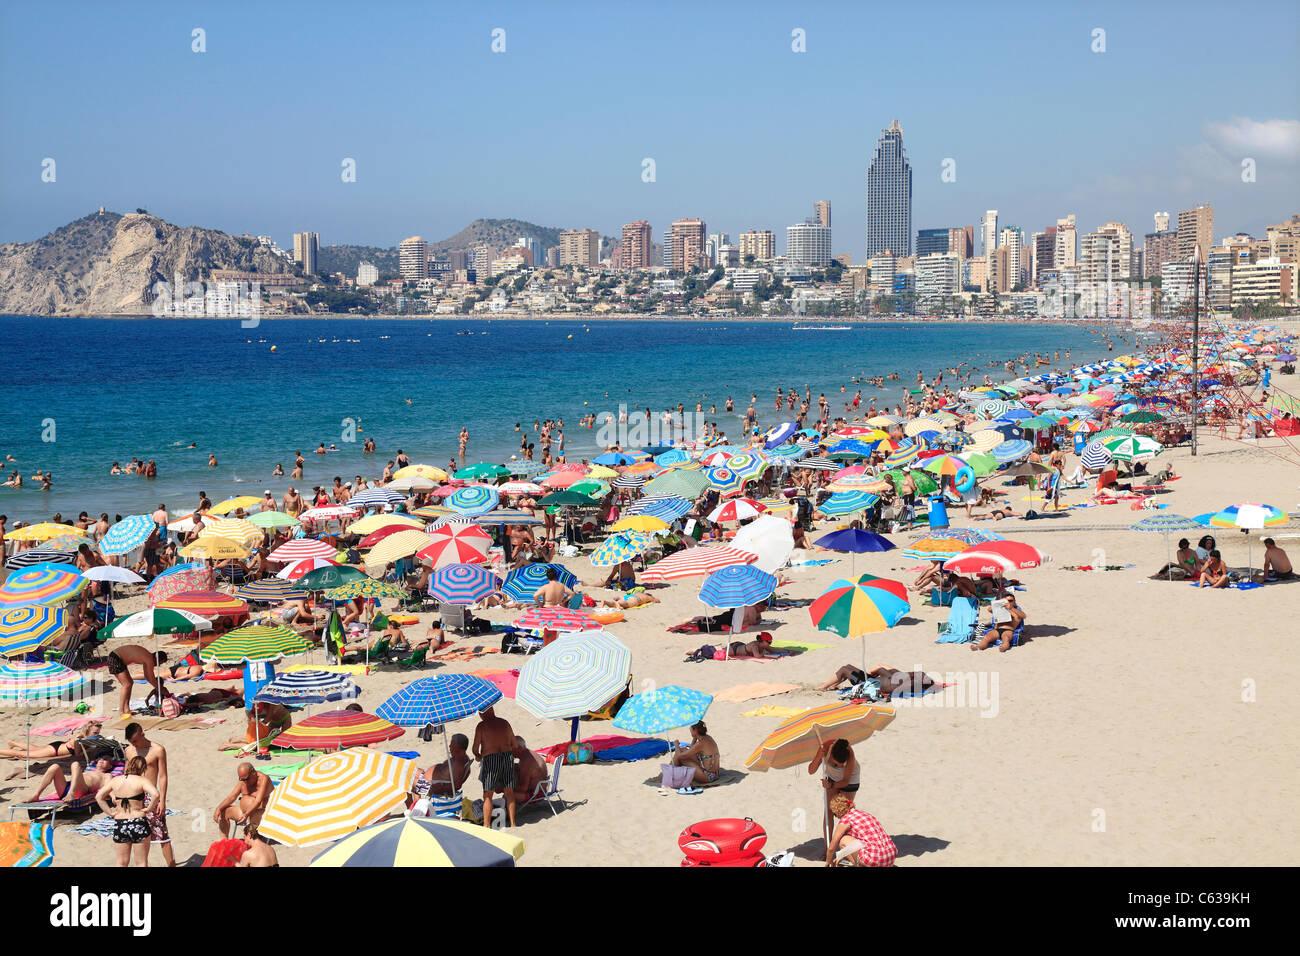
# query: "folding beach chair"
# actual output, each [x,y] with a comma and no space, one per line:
[548,790]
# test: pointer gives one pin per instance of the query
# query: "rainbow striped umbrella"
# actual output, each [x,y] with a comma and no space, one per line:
[474,500]
[522,583]
[336,795]
[412,841]
[1249,515]
[376,498]
[270,589]
[945,464]
[574,674]
[29,627]
[300,549]
[620,547]
[725,481]
[749,465]
[737,585]
[797,740]
[336,729]
[559,619]
[461,584]
[366,588]
[904,455]
[455,544]
[696,561]
[255,642]
[46,680]
[127,535]
[661,709]
[394,547]
[439,700]
[45,583]
[207,603]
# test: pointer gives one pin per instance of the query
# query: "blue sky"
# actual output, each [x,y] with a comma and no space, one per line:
[249,135]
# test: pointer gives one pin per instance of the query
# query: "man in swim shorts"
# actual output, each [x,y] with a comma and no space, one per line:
[494,746]
[83,782]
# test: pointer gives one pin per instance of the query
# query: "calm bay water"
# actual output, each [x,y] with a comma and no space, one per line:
[115,389]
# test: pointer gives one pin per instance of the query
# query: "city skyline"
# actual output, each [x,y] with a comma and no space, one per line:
[259,167]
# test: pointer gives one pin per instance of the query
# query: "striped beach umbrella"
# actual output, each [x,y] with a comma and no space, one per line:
[378,497]
[336,795]
[41,554]
[394,547]
[374,522]
[236,529]
[461,584]
[945,464]
[270,589]
[620,547]
[44,583]
[206,603]
[904,455]
[667,508]
[918,425]
[155,621]
[29,627]
[1249,515]
[366,588]
[797,740]
[483,471]
[984,441]
[439,700]
[675,456]
[778,434]
[308,687]
[127,535]
[574,674]
[725,481]
[558,619]
[1096,456]
[338,729]
[661,709]
[1166,524]
[497,517]
[737,509]
[750,465]
[473,500]
[432,472]
[1133,448]
[412,841]
[21,681]
[455,544]
[737,585]
[300,549]
[991,408]
[693,562]
[594,487]
[819,464]
[255,642]
[859,482]
[522,583]
[936,548]
[630,481]
[850,609]
[297,570]
[679,482]
[847,503]
[1009,451]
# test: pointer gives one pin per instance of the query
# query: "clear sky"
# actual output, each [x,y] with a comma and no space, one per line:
[249,135]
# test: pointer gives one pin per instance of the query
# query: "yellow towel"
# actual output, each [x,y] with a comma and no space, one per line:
[357,669]
[774,710]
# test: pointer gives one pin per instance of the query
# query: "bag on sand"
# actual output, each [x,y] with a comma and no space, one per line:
[705,653]
[580,752]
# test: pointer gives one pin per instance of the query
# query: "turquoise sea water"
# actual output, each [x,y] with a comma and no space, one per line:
[114,389]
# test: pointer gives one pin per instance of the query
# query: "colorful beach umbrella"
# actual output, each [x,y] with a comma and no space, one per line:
[662,709]
[574,674]
[155,621]
[736,586]
[298,688]
[300,549]
[393,548]
[268,590]
[737,509]
[461,584]
[797,740]
[45,583]
[127,535]
[847,503]
[24,682]
[368,588]
[455,544]
[255,642]
[412,841]
[522,583]
[692,562]
[850,609]
[559,619]
[207,603]
[336,795]
[473,500]
[439,700]
[29,627]
[620,547]
[337,730]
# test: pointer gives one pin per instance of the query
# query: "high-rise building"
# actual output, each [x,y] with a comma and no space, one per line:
[413,259]
[580,247]
[1162,221]
[938,275]
[809,243]
[636,245]
[1066,253]
[930,242]
[999,270]
[687,245]
[989,231]
[1044,259]
[306,245]
[1195,228]
[367,275]
[889,196]
[715,242]
[961,241]
[483,257]
[1100,258]
[822,212]
[1159,248]
[759,243]
[458,260]
[1013,240]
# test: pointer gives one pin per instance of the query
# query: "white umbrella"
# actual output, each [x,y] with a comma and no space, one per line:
[112,574]
[770,538]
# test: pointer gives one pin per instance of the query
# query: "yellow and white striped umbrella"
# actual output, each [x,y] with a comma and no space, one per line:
[335,795]
[216,547]
[401,544]
[984,425]
[985,441]
[914,428]
[376,521]
[236,529]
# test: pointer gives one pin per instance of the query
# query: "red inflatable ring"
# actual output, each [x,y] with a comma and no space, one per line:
[719,842]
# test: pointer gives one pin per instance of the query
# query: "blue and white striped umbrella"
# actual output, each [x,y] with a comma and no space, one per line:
[439,700]
[1096,457]
[474,500]
[461,584]
[779,434]
[737,585]
[786,454]
[523,583]
[667,508]
[271,589]
[1012,450]
[676,456]
[614,459]
[847,502]
[127,535]
[573,674]
[526,467]
[308,687]
[375,498]
[498,516]
[749,465]
[630,481]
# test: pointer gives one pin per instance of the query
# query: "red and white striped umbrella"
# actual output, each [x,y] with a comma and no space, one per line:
[456,544]
[696,561]
[299,549]
[296,569]
[737,509]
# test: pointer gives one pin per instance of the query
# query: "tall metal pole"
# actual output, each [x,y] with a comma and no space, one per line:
[1196,338]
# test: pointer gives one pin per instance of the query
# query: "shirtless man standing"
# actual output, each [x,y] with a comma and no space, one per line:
[155,762]
[494,746]
[246,803]
[119,662]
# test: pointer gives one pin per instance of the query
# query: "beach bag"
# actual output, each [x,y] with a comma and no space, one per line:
[580,752]
[705,653]
[170,707]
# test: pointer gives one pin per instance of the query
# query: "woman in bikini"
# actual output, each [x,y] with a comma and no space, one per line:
[131,830]
[60,748]
[841,770]
[702,754]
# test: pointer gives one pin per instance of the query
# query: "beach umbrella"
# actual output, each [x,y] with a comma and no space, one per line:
[298,688]
[925,483]
[1009,451]
[29,627]
[738,509]
[207,603]
[44,531]
[916,426]
[396,546]
[620,547]
[615,459]
[847,503]
[155,621]
[431,472]
[1165,524]
[300,549]
[644,523]
[112,574]
[594,488]
[236,529]
[945,465]
[268,590]
[411,841]
[367,588]
[439,700]
[769,537]
[854,540]
[255,642]
[566,499]
[904,455]
[696,561]
[996,558]
[667,508]
[674,456]
[858,482]
[317,574]
[194,575]
[1248,516]
[1096,456]
[473,500]
[679,482]
[41,554]
[270,520]
[851,609]
[336,795]
[574,674]
[630,481]
[127,535]
[496,517]
[481,472]
[522,583]
[953,439]
[216,548]
[455,544]
[521,488]
[461,584]
[558,619]
[384,496]
[45,583]
[235,504]
[1133,448]
[338,729]
[991,408]
[661,709]
[737,586]
[1143,417]
[36,684]
[363,526]
[799,739]
[725,481]
[938,547]
[819,464]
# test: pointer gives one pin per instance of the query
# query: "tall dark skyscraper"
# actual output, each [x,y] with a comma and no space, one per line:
[889,196]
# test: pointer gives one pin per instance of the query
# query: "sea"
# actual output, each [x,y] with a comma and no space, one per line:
[80,394]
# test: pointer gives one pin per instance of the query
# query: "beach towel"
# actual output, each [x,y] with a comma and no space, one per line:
[505,681]
[26,844]
[774,710]
[58,727]
[674,778]
[225,853]
[743,692]
[813,564]
[932,689]
[102,825]
[597,741]
[797,646]
[961,621]
[641,750]
[695,629]
[281,770]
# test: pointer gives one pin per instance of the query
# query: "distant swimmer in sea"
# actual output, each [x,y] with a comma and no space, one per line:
[212,461]
[193,444]
[407,400]
[279,471]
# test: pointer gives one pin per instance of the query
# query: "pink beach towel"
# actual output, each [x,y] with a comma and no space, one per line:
[505,681]
[66,725]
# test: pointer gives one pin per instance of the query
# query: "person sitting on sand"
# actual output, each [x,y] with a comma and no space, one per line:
[1003,631]
[434,781]
[530,770]
[82,784]
[258,852]
[841,770]
[929,577]
[1214,573]
[246,803]
[264,721]
[622,576]
[18,749]
[857,828]
[552,593]
[702,754]
[637,597]
[1183,566]
[760,647]
[433,640]
[295,613]
[1277,566]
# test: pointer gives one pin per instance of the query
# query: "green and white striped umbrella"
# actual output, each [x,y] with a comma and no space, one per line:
[575,673]
[255,642]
